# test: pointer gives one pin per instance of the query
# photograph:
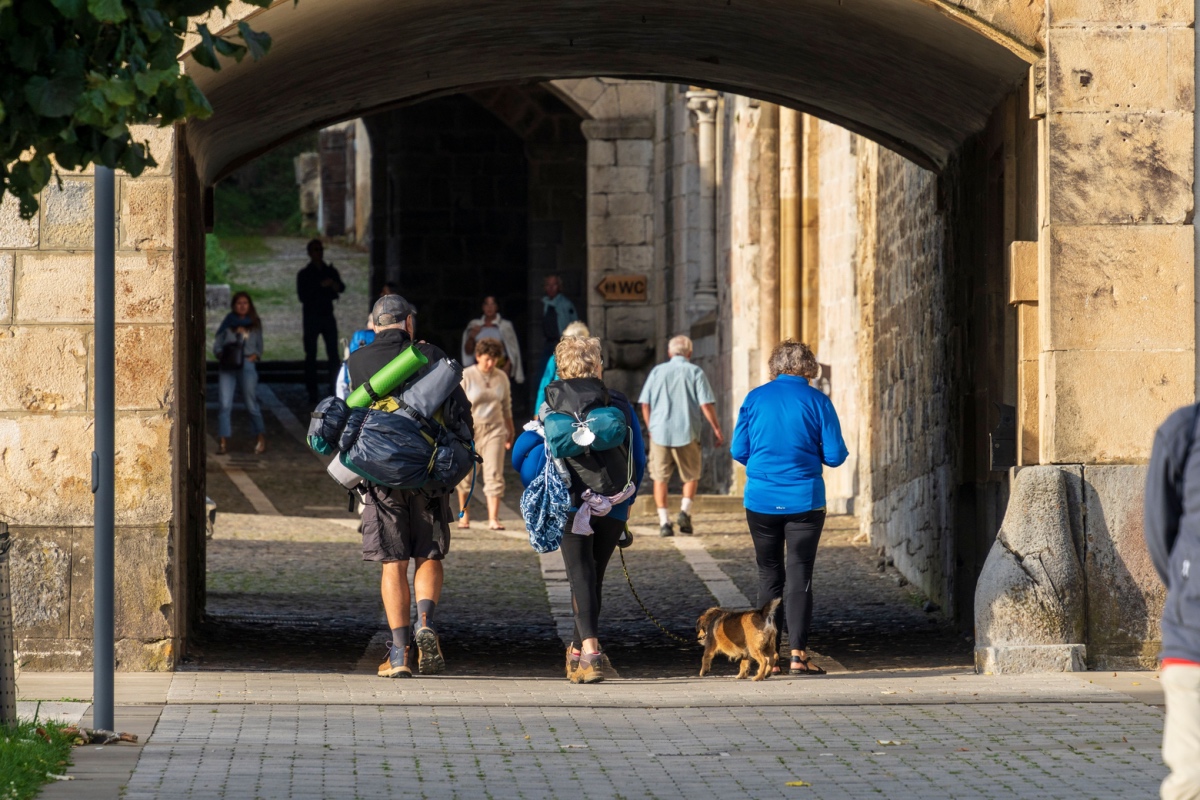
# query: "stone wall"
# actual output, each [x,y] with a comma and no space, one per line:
[46,404]
[837,349]
[909,451]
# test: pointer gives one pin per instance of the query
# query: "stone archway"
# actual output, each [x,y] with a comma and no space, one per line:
[921,78]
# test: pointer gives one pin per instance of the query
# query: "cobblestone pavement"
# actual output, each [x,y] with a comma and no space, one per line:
[900,715]
[914,734]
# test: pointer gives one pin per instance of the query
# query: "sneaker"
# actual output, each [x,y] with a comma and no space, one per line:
[398,664]
[589,670]
[684,521]
[432,662]
[666,530]
[572,663]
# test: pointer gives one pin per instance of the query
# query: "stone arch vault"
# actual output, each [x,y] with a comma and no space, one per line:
[917,76]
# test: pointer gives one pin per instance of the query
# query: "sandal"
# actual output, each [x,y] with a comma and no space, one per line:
[495,526]
[464,523]
[803,666]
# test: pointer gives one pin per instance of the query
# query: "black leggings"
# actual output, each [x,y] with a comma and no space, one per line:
[801,533]
[586,558]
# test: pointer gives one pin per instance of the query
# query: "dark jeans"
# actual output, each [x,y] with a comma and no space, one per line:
[800,534]
[326,327]
[586,558]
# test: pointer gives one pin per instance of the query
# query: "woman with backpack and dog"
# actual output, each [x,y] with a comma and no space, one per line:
[786,432]
[592,432]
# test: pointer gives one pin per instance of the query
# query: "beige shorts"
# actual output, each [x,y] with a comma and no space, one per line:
[489,477]
[664,460]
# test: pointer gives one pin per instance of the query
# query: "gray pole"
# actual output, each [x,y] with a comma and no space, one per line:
[8,681]
[104,455]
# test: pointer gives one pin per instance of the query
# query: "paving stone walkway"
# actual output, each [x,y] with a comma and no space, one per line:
[928,734]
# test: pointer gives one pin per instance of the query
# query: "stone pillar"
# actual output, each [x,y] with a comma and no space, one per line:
[703,105]
[621,240]
[1116,284]
[790,140]
[1114,303]
[810,231]
[1023,293]
[768,237]
[46,417]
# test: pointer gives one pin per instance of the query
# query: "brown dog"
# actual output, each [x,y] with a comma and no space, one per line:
[743,635]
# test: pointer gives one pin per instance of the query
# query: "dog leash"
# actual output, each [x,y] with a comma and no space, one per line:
[645,610]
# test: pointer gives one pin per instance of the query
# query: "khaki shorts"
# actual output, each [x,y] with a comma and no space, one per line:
[664,460]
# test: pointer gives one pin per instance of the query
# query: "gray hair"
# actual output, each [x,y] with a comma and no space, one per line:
[679,346]
[790,357]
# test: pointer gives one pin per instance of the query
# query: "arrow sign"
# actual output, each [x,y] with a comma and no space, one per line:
[623,288]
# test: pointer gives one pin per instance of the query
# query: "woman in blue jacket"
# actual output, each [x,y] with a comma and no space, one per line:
[786,432]
[529,459]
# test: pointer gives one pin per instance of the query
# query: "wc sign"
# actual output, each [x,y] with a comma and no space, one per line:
[623,288]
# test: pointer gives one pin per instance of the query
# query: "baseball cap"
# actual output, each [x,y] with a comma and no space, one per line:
[391,309]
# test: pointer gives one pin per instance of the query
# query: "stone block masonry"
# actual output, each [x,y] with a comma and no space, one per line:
[46,401]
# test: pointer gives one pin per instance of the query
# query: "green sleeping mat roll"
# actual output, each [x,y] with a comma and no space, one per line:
[383,382]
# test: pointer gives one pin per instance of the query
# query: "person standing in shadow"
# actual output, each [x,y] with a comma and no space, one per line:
[318,285]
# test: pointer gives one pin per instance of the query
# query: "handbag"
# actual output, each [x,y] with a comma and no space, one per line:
[544,507]
[232,356]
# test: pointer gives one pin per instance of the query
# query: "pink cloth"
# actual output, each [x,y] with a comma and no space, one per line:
[598,505]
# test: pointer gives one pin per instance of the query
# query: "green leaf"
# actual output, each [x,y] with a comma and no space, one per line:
[71,9]
[39,170]
[228,48]
[134,160]
[106,10]
[203,53]
[259,43]
[119,92]
[53,97]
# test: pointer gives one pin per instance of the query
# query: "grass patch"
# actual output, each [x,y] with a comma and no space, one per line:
[27,759]
[266,295]
[216,261]
[245,246]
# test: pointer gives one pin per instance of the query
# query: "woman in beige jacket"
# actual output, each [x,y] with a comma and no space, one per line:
[487,388]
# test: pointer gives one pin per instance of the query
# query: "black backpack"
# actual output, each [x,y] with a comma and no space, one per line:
[605,472]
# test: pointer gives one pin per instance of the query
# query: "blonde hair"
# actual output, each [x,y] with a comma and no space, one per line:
[793,358]
[576,328]
[578,357]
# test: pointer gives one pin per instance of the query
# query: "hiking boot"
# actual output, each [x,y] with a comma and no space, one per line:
[684,521]
[572,664]
[432,662]
[607,669]
[666,530]
[398,664]
[589,670]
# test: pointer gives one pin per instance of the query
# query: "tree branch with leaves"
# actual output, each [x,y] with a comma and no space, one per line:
[76,74]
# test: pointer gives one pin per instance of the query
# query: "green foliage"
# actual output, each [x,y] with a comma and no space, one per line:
[262,197]
[27,756]
[75,74]
[216,261]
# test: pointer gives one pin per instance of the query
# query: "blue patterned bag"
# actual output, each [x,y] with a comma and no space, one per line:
[544,507]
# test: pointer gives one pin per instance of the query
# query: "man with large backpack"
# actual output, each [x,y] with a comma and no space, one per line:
[399,524]
[1172,527]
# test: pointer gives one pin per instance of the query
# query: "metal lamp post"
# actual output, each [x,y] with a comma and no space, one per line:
[103,457]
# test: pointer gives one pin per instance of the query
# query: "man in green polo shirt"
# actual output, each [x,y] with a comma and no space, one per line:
[673,400]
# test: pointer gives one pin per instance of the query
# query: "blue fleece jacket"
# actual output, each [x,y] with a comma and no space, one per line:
[529,454]
[786,430]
